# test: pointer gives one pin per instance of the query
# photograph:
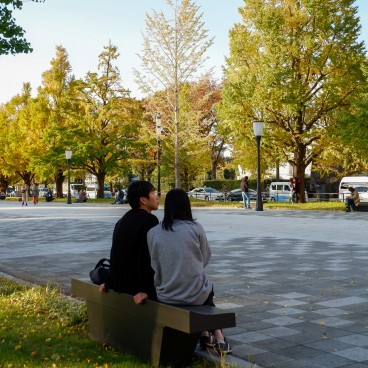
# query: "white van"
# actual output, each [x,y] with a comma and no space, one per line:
[360,183]
[280,191]
[74,189]
[91,191]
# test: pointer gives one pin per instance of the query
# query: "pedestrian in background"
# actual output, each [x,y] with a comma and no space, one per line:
[35,193]
[25,194]
[244,186]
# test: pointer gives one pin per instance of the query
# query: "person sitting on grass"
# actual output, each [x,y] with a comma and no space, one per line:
[82,196]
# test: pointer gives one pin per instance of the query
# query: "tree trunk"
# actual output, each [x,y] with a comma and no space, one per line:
[59,180]
[213,169]
[100,184]
[177,144]
[299,172]
[277,170]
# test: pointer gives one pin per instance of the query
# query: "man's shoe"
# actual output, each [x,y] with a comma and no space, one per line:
[207,341]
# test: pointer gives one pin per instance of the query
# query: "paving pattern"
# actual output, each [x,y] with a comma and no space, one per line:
[297,280]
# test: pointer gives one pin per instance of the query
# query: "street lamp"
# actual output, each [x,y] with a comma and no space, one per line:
[158,133]
[68,155]
[257,128]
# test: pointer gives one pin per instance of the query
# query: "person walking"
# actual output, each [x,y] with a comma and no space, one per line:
[179,253]
[35,193]
[244,186]
[25,194]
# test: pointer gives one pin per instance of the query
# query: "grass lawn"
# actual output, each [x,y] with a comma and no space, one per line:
[311,206]
[39,327]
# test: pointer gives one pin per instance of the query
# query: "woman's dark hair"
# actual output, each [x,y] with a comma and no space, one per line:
[138,189]
[177,207]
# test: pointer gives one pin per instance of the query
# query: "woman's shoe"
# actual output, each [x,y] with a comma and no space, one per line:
[223,347]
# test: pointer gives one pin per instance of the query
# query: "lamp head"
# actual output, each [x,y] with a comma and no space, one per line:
[257,128]
[68,154]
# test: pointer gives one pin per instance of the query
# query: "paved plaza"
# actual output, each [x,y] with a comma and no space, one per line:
[297,280]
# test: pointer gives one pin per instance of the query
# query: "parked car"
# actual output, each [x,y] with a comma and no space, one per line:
[236,195]
[43,192]
[360,181]
[10,192]
[207,194]
[280,191]
[91,191]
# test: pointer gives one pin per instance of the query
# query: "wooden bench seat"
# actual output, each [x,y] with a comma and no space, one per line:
[160,333]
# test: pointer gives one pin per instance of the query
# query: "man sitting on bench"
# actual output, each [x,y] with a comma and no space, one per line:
[130,261]
[353,199]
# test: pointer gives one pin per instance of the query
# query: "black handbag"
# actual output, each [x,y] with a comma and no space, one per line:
[101,274]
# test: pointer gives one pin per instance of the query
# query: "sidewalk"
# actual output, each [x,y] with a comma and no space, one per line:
[297,280]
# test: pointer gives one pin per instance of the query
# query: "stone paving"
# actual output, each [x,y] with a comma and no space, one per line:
[297,280]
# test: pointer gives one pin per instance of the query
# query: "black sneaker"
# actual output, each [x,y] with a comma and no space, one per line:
[223,347]
[207,341]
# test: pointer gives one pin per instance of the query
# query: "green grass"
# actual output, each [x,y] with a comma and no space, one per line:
[310,206]
[40,327]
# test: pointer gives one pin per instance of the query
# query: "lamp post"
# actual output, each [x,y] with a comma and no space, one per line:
[257,127]
[68,155]
[158,133]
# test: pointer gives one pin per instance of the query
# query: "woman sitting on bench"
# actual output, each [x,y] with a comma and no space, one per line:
[179,253]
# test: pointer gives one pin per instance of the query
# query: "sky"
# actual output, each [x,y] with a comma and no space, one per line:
[84,27]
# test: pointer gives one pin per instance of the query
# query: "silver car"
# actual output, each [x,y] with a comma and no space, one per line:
[207,194]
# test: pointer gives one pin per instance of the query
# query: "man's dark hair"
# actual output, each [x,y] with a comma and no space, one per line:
[138,189]
[177,207]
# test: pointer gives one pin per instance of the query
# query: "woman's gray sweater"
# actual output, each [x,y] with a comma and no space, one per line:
[178,258]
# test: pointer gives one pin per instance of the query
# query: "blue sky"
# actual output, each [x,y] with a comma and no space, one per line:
[83,27]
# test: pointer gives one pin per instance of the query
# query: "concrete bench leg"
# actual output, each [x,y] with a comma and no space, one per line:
[128,333]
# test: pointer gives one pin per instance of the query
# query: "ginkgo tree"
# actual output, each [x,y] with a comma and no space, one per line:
[292,64]
[108,122]
[19,138]
[173,53]
[57,107]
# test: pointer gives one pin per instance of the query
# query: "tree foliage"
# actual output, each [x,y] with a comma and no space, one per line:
[108,123]
[293,64]
[173,52]
[18,140]
[12,40]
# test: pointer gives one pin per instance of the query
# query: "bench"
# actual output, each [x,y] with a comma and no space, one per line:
[156,332]
[363,207]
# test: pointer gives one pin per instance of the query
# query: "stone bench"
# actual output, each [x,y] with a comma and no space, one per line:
[160,333]
[363,207]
